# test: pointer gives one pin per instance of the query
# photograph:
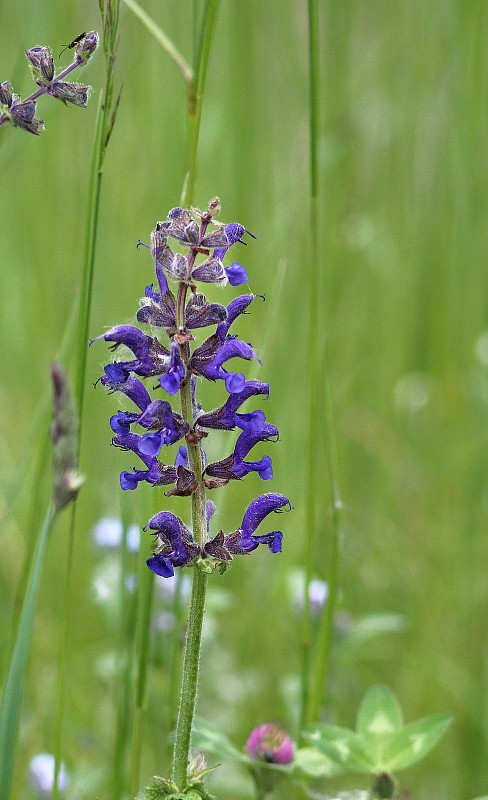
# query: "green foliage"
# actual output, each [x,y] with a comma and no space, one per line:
[161,788]
[381,743]
[210,740]
[315,764]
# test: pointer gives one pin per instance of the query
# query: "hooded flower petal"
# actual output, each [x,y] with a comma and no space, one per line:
[230,348]
[153,473]
[131,337]
[175,546]
[234,233]
[132,387]
[254,515]
[166,427]
[235,308]
[234,467]
[225,417]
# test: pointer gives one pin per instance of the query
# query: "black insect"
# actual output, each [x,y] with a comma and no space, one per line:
[73,43]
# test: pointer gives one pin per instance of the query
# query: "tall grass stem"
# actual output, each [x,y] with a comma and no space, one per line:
[314,672]
[104,124]
[195,109]
[14,684]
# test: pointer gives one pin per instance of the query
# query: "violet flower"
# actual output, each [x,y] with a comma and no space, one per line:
[169,362]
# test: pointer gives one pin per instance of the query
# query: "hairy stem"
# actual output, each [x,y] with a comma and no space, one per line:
[191,660]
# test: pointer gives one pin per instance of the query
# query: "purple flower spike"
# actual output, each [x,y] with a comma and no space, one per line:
[176,358]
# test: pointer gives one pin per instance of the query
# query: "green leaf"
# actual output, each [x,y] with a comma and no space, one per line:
[367,627]
[315,764]
[210,740]
[344,747]
[379,713]
[414,741]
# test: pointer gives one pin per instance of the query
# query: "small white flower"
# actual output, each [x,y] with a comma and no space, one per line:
[108,532]
[41,774]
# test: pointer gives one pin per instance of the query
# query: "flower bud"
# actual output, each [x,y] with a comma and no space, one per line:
[87,46]
[23,116]
[6,94]
[383,786]
[42,64]
[214,207]
[75,93]
[271,744]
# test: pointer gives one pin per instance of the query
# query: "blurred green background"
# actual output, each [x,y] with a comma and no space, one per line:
[403,166]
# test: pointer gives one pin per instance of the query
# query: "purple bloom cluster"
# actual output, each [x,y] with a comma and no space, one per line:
[175,366]
[22,113]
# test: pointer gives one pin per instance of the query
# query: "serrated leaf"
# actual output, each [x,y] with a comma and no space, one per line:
[315,764]
[210,740]
[344,747]
[414,741]
[379,713]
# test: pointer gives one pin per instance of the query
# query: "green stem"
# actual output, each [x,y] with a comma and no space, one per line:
[146,578]
[191,659]
[314,679]
[105,121]
[189,680]
[14,684]
[163,40]
[314,321]
[195,98]
[63,655]
[326,628]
